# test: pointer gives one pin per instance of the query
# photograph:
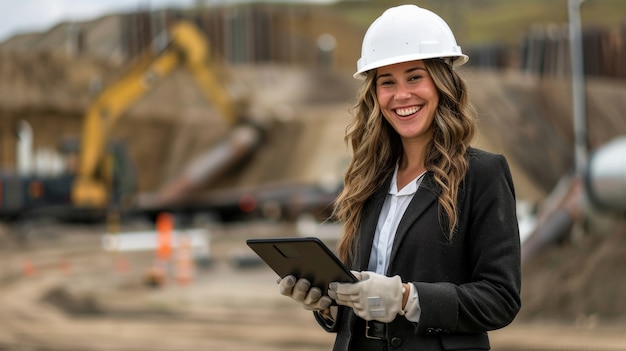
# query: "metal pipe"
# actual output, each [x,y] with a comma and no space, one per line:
[206,168]
[564,208]
[578,87]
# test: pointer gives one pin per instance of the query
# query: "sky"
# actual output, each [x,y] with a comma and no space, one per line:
[20,16]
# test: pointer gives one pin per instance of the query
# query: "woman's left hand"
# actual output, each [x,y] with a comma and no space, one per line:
[373,297]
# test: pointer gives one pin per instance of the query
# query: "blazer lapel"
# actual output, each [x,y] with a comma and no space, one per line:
[367,229]
[425,195]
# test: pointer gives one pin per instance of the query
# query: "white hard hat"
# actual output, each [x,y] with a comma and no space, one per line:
[406,33]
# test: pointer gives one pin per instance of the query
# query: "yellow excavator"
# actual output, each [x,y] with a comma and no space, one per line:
[103,178]
[184,46]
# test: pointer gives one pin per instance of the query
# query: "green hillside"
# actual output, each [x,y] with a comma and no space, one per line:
[484,21]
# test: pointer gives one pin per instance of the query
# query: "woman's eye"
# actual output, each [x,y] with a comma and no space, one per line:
[385,82]
[413,78]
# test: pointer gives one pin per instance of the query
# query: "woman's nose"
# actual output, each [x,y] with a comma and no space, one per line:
[402,92]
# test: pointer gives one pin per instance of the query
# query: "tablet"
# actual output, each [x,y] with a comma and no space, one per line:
[306,258]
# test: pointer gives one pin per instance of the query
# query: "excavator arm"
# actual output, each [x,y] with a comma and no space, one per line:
[186,46]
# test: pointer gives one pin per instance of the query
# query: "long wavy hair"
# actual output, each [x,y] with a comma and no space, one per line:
[376,147]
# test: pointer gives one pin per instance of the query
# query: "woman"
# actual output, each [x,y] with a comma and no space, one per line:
[430,228]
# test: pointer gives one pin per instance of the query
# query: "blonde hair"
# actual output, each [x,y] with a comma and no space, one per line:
[376,147]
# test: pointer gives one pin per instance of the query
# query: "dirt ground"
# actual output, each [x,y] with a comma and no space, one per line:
[580,280]
[62,291]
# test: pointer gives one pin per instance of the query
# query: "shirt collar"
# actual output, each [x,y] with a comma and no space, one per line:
[408,189]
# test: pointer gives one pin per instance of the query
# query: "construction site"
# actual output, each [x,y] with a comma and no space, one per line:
[213,125]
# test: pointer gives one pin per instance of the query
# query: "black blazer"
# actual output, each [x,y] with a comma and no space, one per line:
[466,286]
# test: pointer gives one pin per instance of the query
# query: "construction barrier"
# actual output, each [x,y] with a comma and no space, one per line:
[176,251]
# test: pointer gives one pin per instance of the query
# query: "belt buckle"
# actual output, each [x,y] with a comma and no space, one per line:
[367,332]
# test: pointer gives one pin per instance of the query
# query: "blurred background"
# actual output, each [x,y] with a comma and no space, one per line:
[141,144]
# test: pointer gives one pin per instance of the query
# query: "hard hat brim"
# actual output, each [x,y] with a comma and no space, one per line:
[458,60]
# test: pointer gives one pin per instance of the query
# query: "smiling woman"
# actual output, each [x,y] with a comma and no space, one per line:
[429,222]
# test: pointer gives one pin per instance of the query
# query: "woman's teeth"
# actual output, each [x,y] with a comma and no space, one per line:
[407,111]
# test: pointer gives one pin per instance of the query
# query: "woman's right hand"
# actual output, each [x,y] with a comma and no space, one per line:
[300,290]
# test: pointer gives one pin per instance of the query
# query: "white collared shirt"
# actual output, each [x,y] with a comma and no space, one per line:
[393,209]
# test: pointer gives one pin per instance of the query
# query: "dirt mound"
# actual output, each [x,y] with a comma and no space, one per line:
[46,80]
[582,281]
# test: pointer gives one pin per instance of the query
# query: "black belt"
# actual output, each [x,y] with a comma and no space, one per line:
[375,330]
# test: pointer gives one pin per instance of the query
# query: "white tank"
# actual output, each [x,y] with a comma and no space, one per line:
[48,163]
[24,147]
[606,176]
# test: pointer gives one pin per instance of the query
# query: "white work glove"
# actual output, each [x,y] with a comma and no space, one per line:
[301,291]
[373,297]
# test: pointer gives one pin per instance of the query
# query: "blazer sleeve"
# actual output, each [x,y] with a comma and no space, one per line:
[328,325]
[490,296]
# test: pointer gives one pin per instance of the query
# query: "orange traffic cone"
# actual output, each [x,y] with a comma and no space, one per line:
[28,268]
[164,226]
[184,261]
